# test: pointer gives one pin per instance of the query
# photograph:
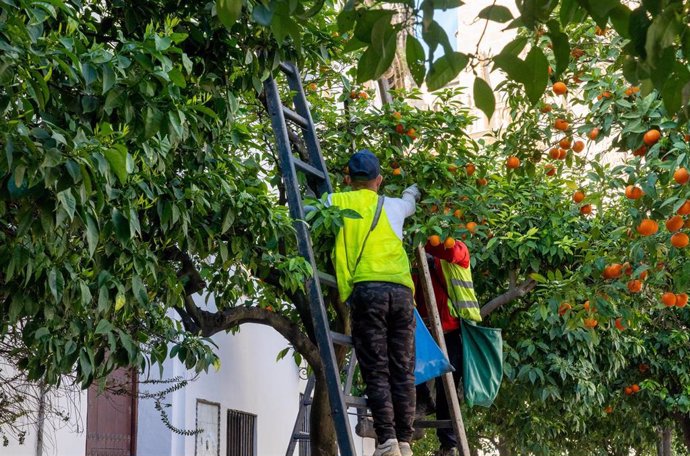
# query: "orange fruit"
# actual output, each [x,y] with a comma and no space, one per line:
[628,92]
[513,162]
[681,176]
[635,286]
[586,209]
[586,305]
[684,209]
[647,227]
[559,88]
[632,192]
[579,146]
[643,368]
[471,227]
[613,271]
[598,31]
[397,171]
[470,169]
[651,137]
[399,129]
[640,151]
[312,86]
[635,388]
[563,308]
[590,323]
[564,143]
[578,196]
[554,153]
[680,240]
[482,182]
[457,213]
[628,390]
[550,170]
[562,153]
[619,324]
[397,115]
[546,108]
[412,133]
[434,240]
[674,223]
[449,243]
[353,95]
[643,275]
[608,410]
[561,124]
[681,300]
[669,299]
[593,133]
[627,269]
[452,168]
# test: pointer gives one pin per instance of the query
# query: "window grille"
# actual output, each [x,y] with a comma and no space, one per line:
[241,433]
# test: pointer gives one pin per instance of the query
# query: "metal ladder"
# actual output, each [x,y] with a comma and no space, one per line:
[319,183]
[317,175]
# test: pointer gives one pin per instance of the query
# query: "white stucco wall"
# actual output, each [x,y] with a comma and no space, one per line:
[59,438]
[249,380]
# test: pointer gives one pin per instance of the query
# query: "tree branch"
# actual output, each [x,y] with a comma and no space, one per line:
[212,323]
[514,292]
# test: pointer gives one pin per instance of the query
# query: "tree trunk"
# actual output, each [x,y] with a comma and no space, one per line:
[665,440]
[322,431]
[684,421]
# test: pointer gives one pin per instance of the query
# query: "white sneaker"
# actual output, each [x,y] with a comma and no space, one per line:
[388,448]
[405,449]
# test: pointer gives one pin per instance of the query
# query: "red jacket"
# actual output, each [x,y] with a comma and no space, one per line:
[459,255]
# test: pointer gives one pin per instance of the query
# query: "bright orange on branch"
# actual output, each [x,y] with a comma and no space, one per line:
[651,137]
[647,227]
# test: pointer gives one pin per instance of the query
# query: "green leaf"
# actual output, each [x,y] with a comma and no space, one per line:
[366,22]
[177,77]
[228,11]
[109,78]
[56,283]
[139,290]
[672,92]
[120,301]
[537,76]
[445,69]
[91,234]
[639,24]
[121,225]
[496,13]
[262,14]
[435,35]
[446,4]
[152,122]
[117,159]
[414,54]
[561,47]
[484,97]
[68,202]
[103,327]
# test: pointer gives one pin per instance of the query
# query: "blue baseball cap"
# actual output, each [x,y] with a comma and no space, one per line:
[364,165]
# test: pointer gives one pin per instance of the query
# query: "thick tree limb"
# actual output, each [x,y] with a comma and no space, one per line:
[514,292]
[215,322]
[684,421]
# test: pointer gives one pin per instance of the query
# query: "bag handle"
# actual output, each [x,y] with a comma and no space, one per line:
[374,222]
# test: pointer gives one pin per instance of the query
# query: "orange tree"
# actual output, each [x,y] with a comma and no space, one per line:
[138,168]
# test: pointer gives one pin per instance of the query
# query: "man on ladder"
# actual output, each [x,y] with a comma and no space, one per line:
[373,275]
[451,277]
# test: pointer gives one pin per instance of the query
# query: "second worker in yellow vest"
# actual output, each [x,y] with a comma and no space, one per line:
[373,276]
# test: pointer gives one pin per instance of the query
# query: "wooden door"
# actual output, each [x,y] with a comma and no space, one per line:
[111,417]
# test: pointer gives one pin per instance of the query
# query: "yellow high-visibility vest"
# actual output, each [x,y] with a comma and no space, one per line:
[462,301]
[384,258]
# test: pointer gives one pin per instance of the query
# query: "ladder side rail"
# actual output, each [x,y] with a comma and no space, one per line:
[437,331]
[317,307]
[301,416]
[310,139]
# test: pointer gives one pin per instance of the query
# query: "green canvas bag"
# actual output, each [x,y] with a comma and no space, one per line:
[482,363]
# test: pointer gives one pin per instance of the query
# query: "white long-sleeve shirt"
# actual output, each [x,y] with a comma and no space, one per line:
[398,209]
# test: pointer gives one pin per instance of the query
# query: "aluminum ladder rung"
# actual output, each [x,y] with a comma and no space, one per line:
[294,117]
[341,339]
[433,424]
[301,436]
[327,279]
[355,401]
[308,169]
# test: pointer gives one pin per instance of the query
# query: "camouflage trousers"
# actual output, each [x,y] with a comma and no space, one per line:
[383,329]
